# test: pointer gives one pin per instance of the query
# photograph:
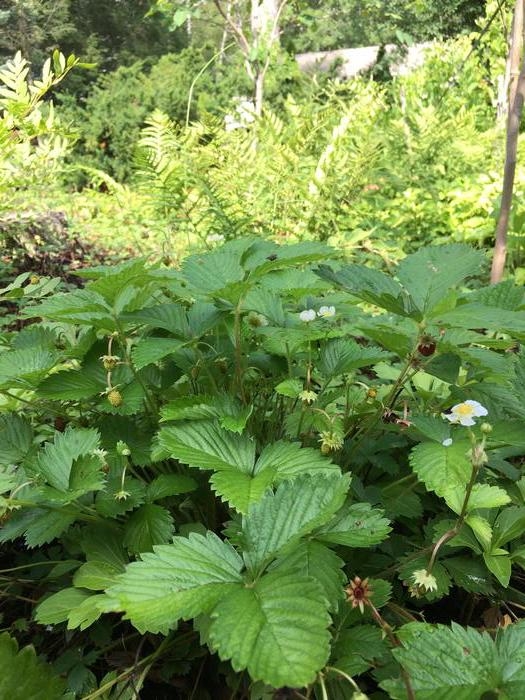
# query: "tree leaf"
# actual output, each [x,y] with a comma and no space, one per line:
[277,629]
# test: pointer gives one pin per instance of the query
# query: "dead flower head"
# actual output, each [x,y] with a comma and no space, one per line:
[358,593]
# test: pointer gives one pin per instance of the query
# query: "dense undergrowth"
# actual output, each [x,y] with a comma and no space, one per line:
[259,438]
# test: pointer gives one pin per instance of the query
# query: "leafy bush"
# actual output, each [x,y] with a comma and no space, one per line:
[296,453]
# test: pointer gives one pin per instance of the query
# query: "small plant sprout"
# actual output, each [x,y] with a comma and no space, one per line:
[307,315]
[464,413]
[326,312]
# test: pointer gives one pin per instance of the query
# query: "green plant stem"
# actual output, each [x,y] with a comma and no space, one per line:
[477,459]
[344,675]
[389,632]
[146,661]
[149,400]
[238,351]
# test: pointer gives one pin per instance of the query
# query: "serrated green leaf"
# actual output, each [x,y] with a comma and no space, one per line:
[294,510]
[149,525]
[102,542]
[24,676]
[25,367]
[359,648]
[444,470]
[311,559]
[357,525]
[179,580]
[211,272]
[150,350]
[470,574]
[481,528]
[81,306]
[339,356]
[277,629]
[171,317]
[85,614]
[68,386]
[486,496]
[16,438]
[206,445]
[166,485]
[499,564]
[56,607]
[55,462]
[289,387]
[464,663]
[479,316]
[370,285]
[47,525]
[96,575]
[189,408]
[509,525]
[429,273]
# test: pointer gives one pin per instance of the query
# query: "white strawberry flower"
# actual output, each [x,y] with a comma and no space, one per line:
[326,311]
[464,413]
[307,315]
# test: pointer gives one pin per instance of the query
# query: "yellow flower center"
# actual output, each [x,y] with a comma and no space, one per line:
[464,409]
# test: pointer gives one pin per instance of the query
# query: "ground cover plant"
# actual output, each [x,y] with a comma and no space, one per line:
[267,469]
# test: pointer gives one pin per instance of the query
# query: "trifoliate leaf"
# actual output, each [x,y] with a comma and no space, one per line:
[149,525]
[24,676]
[296,509]
[179,580]
[357,525]
[277,629]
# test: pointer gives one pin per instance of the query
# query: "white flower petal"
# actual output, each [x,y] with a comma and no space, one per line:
[447,442]
[307,315]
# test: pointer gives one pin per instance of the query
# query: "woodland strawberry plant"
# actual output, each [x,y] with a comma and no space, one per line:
[269,473]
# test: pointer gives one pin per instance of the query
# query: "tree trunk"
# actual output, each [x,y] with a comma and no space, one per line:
[516,98]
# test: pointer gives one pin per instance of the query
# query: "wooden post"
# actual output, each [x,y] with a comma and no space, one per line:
[516,98]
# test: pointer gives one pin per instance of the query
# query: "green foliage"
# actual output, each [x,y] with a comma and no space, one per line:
[464,662]
[24,676]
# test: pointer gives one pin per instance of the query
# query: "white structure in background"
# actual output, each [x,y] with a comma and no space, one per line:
[245,115]
[351,62]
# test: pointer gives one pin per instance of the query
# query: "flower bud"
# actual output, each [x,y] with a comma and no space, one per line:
[485,428]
